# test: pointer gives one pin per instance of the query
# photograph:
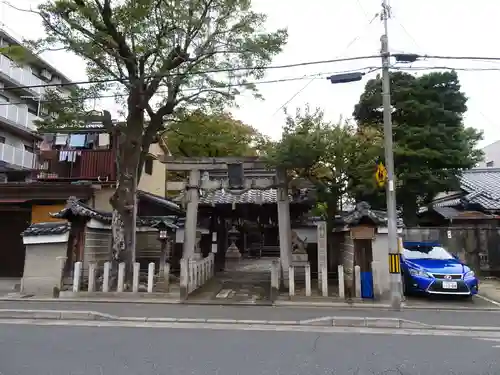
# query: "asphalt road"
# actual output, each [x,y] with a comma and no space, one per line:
[63,350]
[454,318]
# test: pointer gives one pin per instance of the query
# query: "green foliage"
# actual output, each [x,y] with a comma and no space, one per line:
[164,46]
[335,157]
[212,135]
[17,53]
[159,56]
[70,111]
[432,145]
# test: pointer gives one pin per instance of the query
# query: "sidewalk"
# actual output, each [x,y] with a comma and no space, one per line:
[207,313]
[490,290]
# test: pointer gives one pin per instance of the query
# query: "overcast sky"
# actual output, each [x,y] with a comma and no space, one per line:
[326,29]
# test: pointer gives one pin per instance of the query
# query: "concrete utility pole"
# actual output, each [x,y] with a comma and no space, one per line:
[395,281]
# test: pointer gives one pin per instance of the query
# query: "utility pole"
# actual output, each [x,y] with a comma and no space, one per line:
[395,278]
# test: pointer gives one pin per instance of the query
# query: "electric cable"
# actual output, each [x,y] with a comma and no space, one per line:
[354,40]
[236,69]
[321,75]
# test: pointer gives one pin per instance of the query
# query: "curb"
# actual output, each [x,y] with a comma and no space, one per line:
[328,321]
[277,304]
[54,315]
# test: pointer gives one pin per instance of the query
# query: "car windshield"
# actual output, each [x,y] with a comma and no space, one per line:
[426,252]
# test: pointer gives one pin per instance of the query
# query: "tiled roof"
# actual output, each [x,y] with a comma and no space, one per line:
[166,203]
[76,208]
[252,196]
[452,213]
[482,187]
[46,229]
[363,211]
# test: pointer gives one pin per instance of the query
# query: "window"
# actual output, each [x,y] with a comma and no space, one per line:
[29,148]
[4,99]
[148,165]
[426,252]
[2,139]
[33,111]
[490,164]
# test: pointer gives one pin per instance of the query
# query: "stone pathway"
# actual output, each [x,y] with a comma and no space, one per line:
[243,281]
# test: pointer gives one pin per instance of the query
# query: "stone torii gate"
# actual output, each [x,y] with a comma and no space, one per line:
[236,182]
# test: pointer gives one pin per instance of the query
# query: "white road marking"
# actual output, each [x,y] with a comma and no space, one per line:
[488,300]
[496,340]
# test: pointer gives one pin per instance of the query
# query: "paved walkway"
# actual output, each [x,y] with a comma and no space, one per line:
[243,281]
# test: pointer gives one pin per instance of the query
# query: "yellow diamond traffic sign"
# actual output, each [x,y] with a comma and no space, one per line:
[381,175]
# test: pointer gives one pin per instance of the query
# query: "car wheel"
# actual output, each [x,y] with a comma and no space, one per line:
[406,289]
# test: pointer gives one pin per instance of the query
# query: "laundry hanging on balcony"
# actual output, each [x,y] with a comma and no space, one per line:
[69,156]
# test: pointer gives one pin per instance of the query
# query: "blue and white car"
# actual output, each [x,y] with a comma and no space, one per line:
[430,269]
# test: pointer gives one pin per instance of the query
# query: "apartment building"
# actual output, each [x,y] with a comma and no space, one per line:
[20,107]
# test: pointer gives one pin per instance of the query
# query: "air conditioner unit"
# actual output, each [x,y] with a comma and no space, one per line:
[46,74]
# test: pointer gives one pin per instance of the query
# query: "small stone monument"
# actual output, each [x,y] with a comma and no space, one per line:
[299,253]
[197,247]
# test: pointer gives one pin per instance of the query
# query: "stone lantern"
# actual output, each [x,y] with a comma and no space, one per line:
[232,251]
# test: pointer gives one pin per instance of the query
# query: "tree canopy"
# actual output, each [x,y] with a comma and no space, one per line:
[158,56]
[337,158]
[431,144]
[214,135]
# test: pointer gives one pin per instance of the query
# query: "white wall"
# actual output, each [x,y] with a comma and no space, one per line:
[380,249]
[42,269]
[491,154]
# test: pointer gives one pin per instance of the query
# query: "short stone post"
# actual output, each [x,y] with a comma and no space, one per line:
[291,281]
[204,271]
[91,284]
[212,265]
[151,275]
[166,276]
[121,278]
[62,263]
[135,277]
[376,291]
[324,281]
[77,275]
[191,280]
[275,280]
[357,281]
[184,279]
[341,281]
[105,277]
[308,279]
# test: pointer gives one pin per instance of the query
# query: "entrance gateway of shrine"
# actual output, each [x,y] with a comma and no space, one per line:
[242,202]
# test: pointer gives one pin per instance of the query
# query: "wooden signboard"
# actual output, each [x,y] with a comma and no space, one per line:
[363,232]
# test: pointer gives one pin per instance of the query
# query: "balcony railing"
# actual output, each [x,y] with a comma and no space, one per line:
[83,165]
[18,114]
[21,75]
[17,156]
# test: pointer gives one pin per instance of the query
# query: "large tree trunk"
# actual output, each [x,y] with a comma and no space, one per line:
[123,200]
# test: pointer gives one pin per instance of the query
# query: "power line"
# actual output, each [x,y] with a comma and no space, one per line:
[423,68]
[236,69]
[312,77]
[354,40]
[321,75]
